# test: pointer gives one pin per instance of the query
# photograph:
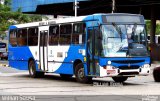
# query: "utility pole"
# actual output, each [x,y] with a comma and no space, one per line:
[75,8]
[113,6]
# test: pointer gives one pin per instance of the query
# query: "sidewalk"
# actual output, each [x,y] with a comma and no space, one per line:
[155,64]
[8,71]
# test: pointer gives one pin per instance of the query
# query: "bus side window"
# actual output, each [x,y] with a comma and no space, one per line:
[33,36]
[12,38]
[78,36]
[65,34]
[53,35]
[22,37]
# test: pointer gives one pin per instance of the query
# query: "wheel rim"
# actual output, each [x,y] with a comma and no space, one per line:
[81,73]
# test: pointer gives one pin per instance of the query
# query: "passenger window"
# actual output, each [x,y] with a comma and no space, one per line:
[65,34]
[12,38]
[78,36]
[53,35]
[33,36]
[22,37]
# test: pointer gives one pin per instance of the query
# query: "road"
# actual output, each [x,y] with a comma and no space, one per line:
[16,82]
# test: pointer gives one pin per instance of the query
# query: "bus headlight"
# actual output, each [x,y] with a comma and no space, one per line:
[109,62]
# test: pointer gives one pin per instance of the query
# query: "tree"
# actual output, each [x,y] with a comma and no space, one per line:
[148,25]
[7,17]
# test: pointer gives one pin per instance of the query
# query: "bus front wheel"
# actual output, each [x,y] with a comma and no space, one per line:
[32,70]
[80,74]
[119,79]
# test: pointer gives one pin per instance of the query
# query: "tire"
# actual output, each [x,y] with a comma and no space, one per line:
[80,76]
[156,74]
[65,76]
[119,79]
[32,70]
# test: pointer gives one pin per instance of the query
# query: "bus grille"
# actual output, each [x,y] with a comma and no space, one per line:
[128,67]
[127,61]
[129,73]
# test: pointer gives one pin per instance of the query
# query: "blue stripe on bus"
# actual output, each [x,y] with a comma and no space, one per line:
[73,54]
[20,60]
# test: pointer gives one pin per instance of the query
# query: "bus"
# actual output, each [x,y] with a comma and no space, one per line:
[3,51]
[157,39]
[97,45]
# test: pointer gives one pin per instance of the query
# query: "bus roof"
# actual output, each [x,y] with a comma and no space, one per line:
[70,20]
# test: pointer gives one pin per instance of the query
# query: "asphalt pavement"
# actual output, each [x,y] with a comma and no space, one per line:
[53,88]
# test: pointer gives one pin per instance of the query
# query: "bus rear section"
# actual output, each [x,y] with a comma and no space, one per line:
[98,45]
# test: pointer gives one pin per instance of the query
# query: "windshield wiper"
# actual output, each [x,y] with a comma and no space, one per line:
[118,29]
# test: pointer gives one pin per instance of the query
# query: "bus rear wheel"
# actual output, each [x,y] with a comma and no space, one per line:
[119,79]
[80,74]
[32,70]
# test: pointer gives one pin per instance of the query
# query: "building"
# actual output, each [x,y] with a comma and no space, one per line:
[148,8]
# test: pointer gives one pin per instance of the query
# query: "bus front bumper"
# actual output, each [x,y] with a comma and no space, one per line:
[111,72]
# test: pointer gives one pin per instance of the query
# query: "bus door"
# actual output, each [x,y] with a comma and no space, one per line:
[92,51]
[43,48]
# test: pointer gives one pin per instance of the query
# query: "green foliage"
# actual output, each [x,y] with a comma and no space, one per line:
[148,25]
[158,28]
[7,17]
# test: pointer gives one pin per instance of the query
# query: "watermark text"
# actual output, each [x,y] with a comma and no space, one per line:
[18,98]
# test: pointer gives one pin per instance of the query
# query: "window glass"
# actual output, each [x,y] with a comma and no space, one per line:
[12,38]
[96,43]
[43,38]
[78,36]
[22,37]
[33,36]
[78,28]
[53,35]
[65,34]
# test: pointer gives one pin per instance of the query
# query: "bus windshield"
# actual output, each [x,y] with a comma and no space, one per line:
[123,40]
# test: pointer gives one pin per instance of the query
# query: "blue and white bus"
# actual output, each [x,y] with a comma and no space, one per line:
[98,45]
